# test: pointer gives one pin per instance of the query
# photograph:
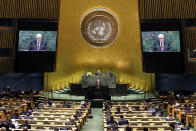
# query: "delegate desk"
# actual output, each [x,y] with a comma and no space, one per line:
[109,81]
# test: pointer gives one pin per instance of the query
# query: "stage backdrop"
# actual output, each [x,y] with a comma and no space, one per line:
[75,57]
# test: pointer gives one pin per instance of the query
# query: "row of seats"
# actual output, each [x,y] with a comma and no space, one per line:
[11,105]
[20,114]
[60,115]
[182,109]
[138,116]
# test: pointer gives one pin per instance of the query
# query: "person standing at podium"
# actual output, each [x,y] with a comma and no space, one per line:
[98,84]
[99,73]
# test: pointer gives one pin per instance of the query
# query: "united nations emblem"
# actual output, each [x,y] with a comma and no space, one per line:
[99,28]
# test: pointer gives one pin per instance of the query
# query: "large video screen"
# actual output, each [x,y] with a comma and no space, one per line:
[37,40]
[161,41]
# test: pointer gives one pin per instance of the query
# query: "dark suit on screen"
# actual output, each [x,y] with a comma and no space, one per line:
[157,46]
[33,46]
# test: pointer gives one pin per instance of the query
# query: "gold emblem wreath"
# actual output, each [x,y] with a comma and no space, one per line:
[99,28]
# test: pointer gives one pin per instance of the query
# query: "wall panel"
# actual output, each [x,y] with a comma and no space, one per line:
[30,9]
[167,9]
[23,9]
[7,40]
[190,44]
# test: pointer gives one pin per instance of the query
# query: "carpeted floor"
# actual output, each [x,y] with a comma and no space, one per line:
[96,123]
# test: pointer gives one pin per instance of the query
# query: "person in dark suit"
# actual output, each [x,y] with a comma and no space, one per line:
[123,121]
[111,121]
[78,113]
[98,73]
[107,108]
[67,105]
[28,111]
[16,115]
[38,44]
[10,124]
[7,89]
[161,45]
[118,110]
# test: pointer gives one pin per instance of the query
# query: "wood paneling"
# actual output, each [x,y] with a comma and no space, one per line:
[30,9]
[190,44]
[7,40]
[167,9]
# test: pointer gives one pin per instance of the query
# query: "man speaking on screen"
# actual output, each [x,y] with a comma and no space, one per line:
[161,45]
[38,44]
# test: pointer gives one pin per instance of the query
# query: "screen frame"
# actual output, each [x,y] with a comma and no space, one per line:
[162,25]
[148,57]
[43,61]
[154,40]
[36,25]
[34,50]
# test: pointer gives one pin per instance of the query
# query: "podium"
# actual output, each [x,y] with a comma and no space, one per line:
[107,87]
[100,91]
[109,81]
